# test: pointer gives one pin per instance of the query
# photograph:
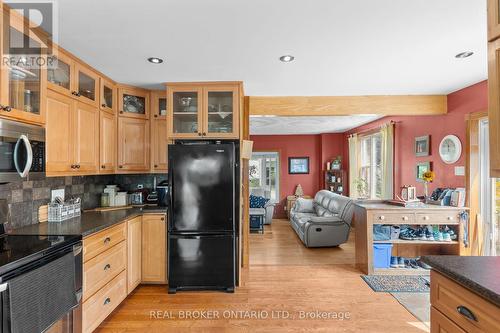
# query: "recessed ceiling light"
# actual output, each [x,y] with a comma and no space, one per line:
[463,55]
[287,58]
[154,60]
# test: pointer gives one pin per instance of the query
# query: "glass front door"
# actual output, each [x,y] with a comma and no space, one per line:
[264,175]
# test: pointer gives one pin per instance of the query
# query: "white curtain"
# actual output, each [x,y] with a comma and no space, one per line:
[353,165]
[387,152]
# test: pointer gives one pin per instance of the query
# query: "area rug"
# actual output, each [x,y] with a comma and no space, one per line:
[418,304]
[397,283]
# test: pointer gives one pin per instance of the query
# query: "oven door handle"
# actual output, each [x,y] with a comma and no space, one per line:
[29,161]
[3,287]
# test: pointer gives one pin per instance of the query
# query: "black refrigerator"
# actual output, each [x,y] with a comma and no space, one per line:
[203,215]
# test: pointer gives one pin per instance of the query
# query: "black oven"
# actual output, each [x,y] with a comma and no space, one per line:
[22,151]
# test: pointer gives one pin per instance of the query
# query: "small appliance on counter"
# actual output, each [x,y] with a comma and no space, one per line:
[162,189]
[152,197]
[138,197]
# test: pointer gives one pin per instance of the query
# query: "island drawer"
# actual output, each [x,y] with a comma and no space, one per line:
[100,305]
[393,218]
[103,240]
[465,308]
[101,269]
[450,217]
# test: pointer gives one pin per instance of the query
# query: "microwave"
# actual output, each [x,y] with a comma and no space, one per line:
[22,151]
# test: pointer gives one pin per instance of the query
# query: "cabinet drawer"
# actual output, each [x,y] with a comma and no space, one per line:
[396,218]
[441,324]
[103,240]
[100,305]
[101,269]
[448,297]
[437,218]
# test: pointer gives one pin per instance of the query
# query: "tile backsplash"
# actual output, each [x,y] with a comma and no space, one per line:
[24,197]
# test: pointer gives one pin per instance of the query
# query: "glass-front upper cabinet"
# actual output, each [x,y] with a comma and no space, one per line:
[493,19]
[221,112]
[159,102]
[87,85]
[108,96]
[184,111]
[24,72]
[60,72]
[133,102]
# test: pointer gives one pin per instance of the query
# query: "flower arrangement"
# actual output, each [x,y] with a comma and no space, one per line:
[428,176]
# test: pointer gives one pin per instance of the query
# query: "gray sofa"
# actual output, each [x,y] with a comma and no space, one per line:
[324,220]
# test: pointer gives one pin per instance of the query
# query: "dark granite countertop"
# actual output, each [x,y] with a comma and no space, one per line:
[87,224]
[478,274]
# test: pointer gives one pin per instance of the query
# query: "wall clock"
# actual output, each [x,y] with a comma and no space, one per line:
[450,149]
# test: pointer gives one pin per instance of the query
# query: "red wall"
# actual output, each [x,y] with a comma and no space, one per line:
[460,103]
[319,149]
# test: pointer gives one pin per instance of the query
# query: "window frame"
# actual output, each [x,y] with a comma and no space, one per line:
[372,186]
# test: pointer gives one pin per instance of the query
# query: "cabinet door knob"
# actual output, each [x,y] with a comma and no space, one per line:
[405,218]
[108,266]
[103,166]
[121,166]
[107,240]
[450,218]
[107,301]
[162,219]
[426,218]
[381,217]
[204,134]
[104,105]
[78,166]
[156,116]
[73,93]
[121,112]
[199,134]
[156,166]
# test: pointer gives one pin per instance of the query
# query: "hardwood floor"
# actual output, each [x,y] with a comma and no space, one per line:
[285,279]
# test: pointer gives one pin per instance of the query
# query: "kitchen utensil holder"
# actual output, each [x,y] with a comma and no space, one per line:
[62,212]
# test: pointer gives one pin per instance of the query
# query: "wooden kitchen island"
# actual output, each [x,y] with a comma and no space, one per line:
[370,213]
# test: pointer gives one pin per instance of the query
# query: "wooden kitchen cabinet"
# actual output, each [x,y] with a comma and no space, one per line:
[134,253]
[68,76]
[22,79]
[107,151]
[203,110]
[494,106]
[159,145]
[86,138]
[59,128]
[108,96]
[493,19]
[154,259]
[133,102]
[72,136]
[133,145]
[87,85]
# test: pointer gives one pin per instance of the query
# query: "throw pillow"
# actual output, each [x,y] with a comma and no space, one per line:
[304,205]
[257,202]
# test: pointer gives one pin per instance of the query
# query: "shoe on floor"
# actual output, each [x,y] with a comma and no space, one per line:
[423,264]
[394,262]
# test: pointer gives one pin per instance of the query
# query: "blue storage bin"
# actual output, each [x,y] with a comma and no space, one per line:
[382,255]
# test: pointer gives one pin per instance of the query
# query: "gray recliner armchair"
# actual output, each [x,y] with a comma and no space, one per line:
[268,207]
[322,221]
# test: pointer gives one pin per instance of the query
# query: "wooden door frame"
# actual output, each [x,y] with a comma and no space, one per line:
[472,181]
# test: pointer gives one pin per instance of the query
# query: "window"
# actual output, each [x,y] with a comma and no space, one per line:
[489,195]
[370,166]
[264,175]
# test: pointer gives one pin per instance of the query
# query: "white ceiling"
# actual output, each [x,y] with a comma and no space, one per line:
[342,47]
[307,125]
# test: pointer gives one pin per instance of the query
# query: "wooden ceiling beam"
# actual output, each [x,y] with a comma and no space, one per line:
[394,105]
